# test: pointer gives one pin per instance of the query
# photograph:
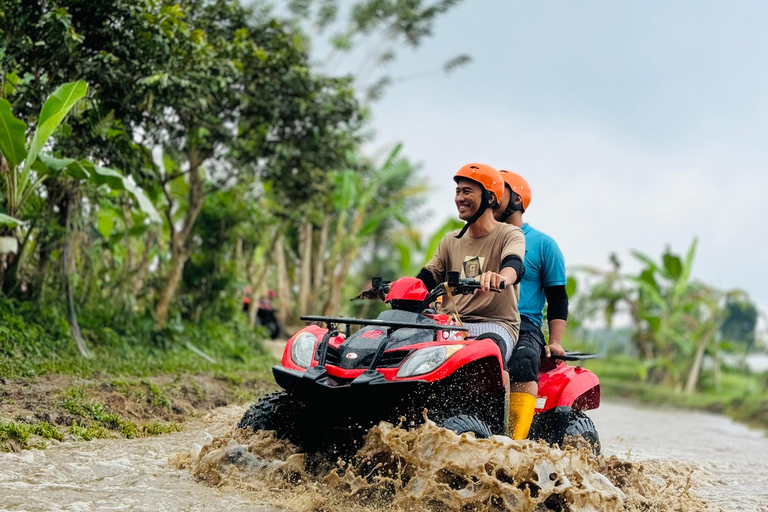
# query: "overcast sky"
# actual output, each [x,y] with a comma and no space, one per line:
[638,125]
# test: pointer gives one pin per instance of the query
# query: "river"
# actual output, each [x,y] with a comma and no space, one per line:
[727,463]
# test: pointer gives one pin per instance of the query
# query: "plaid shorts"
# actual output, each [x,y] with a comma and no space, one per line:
[482,328]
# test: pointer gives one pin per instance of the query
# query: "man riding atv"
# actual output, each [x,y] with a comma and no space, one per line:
[491,252]
[543,282]
[337,383]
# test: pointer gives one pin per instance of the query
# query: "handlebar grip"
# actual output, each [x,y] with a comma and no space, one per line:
[502,285]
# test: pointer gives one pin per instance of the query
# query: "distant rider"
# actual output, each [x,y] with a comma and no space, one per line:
[484,249]
[544,282]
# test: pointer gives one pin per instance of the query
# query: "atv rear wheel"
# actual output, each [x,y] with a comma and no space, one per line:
[276,411]
[579,424]
[462,423]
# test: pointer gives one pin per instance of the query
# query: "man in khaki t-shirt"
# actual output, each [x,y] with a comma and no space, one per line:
[473,256]
[490,252]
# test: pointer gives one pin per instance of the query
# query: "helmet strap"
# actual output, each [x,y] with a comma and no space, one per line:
[485,204]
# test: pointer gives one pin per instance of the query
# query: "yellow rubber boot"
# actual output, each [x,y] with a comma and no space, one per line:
[521,406]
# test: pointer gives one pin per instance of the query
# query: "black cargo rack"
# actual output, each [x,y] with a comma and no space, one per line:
[322,347]
[329,321]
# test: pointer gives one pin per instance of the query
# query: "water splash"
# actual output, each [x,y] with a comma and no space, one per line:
[430,468]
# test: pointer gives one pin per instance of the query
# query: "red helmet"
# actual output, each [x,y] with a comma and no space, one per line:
[407,288]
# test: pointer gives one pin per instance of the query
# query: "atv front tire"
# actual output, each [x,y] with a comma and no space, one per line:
[579,424]
[276,411]
[462,423]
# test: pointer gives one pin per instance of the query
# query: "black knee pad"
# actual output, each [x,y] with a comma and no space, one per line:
[499,341]
[524,364]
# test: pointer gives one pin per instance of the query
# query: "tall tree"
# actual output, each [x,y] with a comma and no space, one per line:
[223,89]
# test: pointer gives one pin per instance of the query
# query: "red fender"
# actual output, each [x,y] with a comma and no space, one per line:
[570,386]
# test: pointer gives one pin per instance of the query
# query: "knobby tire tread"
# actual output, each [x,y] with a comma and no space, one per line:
[462,423]
[580,424]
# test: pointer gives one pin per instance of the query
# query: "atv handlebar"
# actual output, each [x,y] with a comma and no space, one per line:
[457,286]
[379,290]
[575,356]
[468,286]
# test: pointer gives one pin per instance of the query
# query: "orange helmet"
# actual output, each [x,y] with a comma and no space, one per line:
[488,178]
[518,185]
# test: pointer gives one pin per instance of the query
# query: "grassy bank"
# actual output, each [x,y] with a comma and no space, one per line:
[37,340]
[139,381]
[742,396]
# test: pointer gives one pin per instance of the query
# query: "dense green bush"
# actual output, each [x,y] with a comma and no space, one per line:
[36,340]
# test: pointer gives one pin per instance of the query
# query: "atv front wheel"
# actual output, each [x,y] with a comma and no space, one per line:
[579,424]
[462,423]
[276,411]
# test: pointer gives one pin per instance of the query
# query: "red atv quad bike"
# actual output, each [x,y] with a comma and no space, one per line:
[339,384]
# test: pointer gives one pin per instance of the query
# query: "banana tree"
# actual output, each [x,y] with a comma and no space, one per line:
[415,252]
[677,318]
[363,204]
[24,168]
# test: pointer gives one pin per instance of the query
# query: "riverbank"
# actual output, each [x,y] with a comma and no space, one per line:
[138,381]
[43,411]
[742,396]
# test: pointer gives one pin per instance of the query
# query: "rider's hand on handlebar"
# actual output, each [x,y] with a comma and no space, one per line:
[554,349]
[491,280]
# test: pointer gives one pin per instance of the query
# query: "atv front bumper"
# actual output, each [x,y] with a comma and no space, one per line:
[361,402]
[316,386]
[370,398]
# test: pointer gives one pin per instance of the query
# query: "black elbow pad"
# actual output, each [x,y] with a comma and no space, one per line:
[557,302]
[427,278]
[514,261]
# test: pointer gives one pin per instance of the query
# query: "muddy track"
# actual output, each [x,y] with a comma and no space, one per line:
[704,456]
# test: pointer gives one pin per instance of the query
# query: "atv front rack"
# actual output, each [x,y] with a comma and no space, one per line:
[322,347]
[330,321]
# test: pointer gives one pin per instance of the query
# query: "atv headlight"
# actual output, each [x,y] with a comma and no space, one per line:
[427,359]
[303,349]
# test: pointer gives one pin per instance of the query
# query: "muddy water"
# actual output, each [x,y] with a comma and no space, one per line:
[677,461]
[731,460]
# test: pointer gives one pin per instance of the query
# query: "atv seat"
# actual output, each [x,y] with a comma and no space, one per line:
[499,341]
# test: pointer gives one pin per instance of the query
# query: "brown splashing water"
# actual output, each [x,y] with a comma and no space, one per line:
[431,468]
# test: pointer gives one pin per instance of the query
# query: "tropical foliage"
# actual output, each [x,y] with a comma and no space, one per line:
[159,158]
[676,321]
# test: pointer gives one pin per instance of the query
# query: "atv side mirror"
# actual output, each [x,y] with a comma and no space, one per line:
[376,283]
[453,278]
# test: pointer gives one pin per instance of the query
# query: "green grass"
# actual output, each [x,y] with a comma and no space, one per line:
[22,432]
[157,428]
[89,431]
[97,421]
[76,403]
[156,397]
[127,351]
[36,340]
